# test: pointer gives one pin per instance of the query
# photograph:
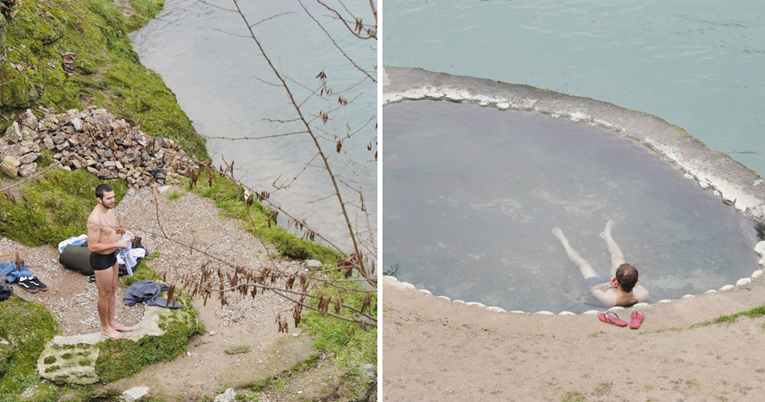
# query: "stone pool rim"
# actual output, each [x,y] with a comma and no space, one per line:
[714,171]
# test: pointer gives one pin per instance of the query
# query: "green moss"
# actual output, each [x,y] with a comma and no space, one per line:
[107,72]
[52,369]
[84,363]
[67,356]
[140,272]
[58,207]
[27,326]
[124,358]
[49,360]
[237,350]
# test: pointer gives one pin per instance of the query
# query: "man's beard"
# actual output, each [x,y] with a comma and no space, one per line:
[107,206]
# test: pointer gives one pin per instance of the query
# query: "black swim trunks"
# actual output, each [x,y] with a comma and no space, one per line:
[100,262]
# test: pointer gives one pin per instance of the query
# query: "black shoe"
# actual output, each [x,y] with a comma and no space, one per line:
[36,282]
[26,285]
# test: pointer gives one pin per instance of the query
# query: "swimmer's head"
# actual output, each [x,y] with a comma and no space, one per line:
[627,277]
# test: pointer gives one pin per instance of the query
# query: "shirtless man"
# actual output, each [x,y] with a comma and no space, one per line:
[103,243]
[623,288]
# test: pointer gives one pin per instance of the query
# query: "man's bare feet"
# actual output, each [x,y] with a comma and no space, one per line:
[111,333]
[607,230]
[559,234]
[121,328]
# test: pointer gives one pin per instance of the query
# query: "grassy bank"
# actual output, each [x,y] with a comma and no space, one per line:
[106,71]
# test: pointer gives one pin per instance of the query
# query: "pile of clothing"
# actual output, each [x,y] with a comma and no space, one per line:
[17,272]
[76,256]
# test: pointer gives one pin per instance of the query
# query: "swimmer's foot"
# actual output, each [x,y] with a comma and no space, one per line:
[559,234]
[122,328]
[607,230]
[111,333]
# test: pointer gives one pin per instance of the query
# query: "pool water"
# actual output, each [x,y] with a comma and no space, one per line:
[471,194]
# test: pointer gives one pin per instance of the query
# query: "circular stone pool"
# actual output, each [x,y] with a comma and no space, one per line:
[471,194]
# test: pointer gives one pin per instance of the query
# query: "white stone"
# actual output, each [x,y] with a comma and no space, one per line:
[496,309]
[458,301]
[13,133]
[544,312]
[426,291]
[134,394]
[688,296]
[726,287]
[704,185]
[710,291]
[739,206]
[228,396]
[761,262]
[408,285]
[310,263]
[743,281]
[760,249]
[503,105]
[77,124]
[664,301]
[616,308]
[390,278]
[641,305]
[688,176]
[445,298]
[757,273]
[162,189]
[591,312]
[717,193]
[475,304]
[566,313]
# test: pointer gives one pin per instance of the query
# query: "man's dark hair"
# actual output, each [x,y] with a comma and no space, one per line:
[101,189]
[627,276]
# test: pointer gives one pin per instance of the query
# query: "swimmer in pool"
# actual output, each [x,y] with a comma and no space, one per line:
[621,289]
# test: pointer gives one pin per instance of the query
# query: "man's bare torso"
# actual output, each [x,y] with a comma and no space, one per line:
[106,222]
[620,299]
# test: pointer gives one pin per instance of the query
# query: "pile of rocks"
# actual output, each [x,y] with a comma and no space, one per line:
[92,139]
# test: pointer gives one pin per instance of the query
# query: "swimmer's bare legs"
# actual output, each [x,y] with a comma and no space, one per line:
[584,267]
[617,257]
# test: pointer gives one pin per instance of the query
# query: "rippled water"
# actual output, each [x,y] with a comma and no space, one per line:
[472,194]
[215,77]
[697,64]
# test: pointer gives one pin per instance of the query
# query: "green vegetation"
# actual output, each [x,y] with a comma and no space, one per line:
[280,384]
[237,350]
[107,72]
[753,313]
[649,388]
[229,198]
[57,209]
[123,358]
[247,397]
[174,195]
[27,326]
[573,396]
[603,388]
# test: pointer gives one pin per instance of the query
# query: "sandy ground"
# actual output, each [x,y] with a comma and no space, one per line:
[435,350]
[205,369]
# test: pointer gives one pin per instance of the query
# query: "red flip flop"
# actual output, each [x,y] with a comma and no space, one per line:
[637,319]
[607,318]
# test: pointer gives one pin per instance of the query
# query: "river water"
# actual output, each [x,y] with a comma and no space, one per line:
[699,64]
[217,75]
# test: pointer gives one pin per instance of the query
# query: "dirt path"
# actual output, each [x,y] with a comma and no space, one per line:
[435,350]
[205,368]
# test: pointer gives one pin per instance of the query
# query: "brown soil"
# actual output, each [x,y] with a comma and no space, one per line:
[205,369]
[435,350]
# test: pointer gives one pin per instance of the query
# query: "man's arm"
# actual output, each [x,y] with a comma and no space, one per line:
[640,292]
[94,240]
[600,293]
